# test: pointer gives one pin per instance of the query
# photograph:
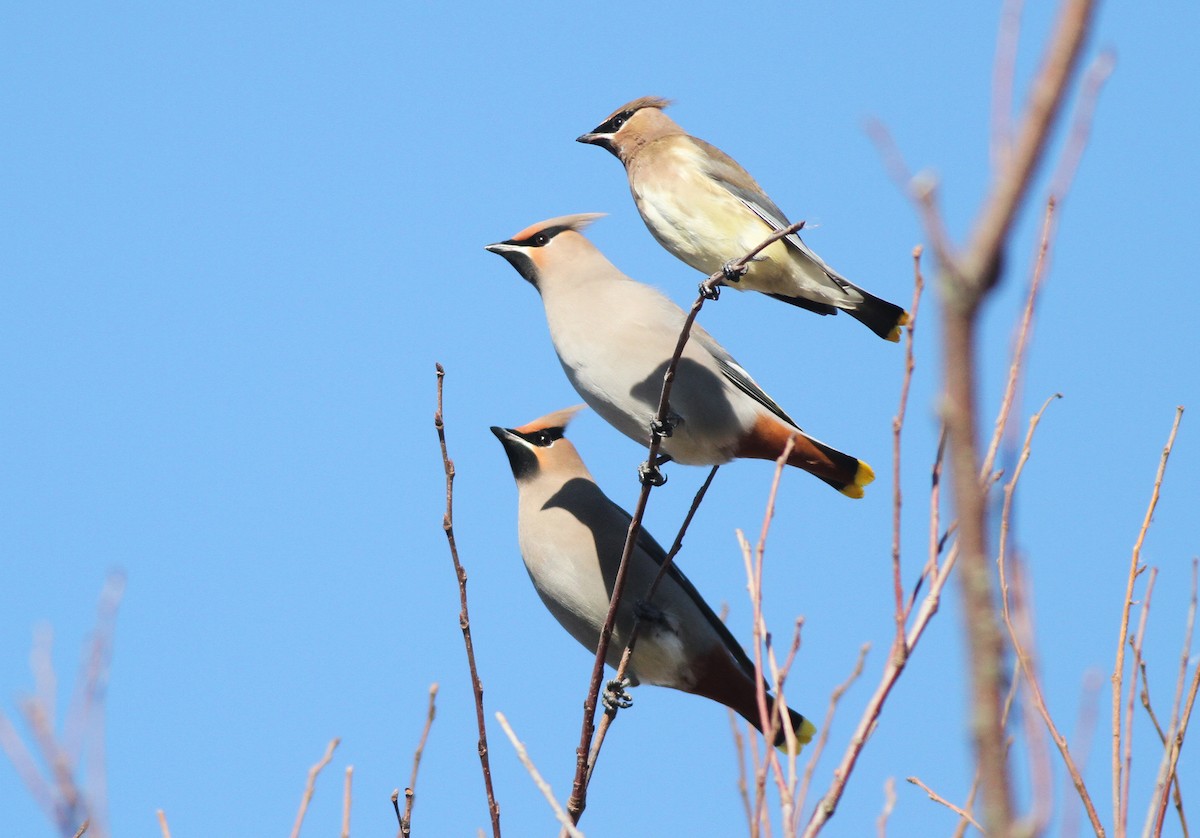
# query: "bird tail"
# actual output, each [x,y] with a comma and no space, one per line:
[802,728]
[841,471]
[880,316]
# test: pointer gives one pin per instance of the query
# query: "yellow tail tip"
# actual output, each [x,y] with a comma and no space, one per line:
[803,736]
[903,320]
[862,477]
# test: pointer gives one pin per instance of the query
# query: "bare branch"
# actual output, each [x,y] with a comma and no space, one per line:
[1081,128]
[610,715]
[1119,667]
[162,824]
[889,803]
[464,619]
[1179,725]
[577,802]
[937,798]
[410,792]
[897,427]
[827,725]
[308,786]
[346,803]
[542,785]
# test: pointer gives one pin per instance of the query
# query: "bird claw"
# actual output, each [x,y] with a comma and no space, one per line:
[732,272]
[664,428]
[710,292]
[648,612]
[649,475]
[615,698]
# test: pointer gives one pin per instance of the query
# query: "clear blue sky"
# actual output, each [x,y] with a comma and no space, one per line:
[236,238]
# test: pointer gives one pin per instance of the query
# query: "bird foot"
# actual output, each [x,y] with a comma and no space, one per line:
[615,698]
[648,612]
[649,474]
[664,428]
[732,272]
[710,292]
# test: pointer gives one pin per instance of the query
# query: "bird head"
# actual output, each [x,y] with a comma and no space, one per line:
[539,447]
[630,127]
[539,247]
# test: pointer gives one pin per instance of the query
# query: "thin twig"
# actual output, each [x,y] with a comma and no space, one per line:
[1084,735]
[577,801]
[1003,71]
[610,715]
[542,785]
[410,792]
[1021,345]
[1081,128]
[162,823]
[827,724]
[83,827]
[464,619]
[889,803]
[1021,646]
[308,786]
[937,798]
[1177,729]
[1185,658]
[754,573]
[739,743]
[897,427]
[1135,646]
[346,803]
[1119,667]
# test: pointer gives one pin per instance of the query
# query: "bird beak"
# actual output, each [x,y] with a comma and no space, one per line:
[518,257]
[602,140]
[521,456]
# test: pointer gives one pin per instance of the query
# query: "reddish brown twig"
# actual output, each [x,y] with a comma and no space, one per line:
[897,427]
[889,803]
[610,715]
[523,755]
[937,798]
[410,792]
[1178,728]
[1119,667]
[823,732]
[464,619]
[162,823]
[311,784]
[59,791]
[577,802]
[346,802]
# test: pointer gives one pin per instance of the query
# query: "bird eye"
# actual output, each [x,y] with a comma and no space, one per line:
[544,438]
[541,240]
[618,122]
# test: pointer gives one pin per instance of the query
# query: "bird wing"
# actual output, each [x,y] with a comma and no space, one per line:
[725,171]
[737,374]
[655,551]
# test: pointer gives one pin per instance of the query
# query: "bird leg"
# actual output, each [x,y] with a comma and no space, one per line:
[649,474]
[615,698]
